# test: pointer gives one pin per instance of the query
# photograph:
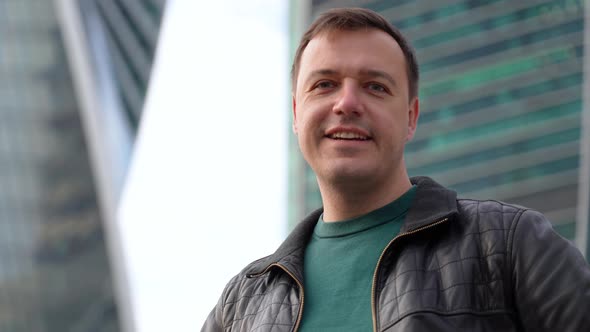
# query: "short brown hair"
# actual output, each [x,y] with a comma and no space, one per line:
[355,19]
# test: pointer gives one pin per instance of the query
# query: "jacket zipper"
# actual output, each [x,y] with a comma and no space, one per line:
[301,293]
[373,304]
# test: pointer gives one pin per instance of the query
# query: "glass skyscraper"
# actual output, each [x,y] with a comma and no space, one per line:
[501,101]
[55,270]
[131,29]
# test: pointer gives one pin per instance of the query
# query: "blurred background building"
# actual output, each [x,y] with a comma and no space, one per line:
[54,270]
[501,97]
[502,94]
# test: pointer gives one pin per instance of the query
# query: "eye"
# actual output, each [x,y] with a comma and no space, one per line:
[377,87]
[324,85]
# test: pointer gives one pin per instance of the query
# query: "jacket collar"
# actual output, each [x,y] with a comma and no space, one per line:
[432,203]
[291,252]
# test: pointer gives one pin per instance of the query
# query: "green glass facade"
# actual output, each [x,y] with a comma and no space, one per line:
[501,100]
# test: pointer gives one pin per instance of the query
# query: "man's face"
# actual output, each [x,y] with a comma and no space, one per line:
[352,112]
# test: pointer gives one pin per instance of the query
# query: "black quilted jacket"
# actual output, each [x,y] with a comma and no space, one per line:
[457,265]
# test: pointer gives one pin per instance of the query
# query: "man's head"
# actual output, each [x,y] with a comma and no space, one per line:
[354,106]
[357,19]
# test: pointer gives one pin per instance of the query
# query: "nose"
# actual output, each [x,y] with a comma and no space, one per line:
[348,100]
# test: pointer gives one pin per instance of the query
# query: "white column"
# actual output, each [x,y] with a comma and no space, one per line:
[206,191]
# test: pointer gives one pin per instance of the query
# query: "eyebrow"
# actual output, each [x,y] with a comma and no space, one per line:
[362,72]
[379,73]
[321,72]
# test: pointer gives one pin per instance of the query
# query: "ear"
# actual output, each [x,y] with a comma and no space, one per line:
[413,114]
[294,103]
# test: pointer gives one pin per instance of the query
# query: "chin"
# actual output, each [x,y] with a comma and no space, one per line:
[348,174]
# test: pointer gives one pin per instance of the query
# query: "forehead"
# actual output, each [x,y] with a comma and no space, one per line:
[353,51]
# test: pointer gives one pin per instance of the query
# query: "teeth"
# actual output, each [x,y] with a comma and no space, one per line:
[348,135]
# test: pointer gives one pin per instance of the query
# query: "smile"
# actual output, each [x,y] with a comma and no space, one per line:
[346,135]
[350,133]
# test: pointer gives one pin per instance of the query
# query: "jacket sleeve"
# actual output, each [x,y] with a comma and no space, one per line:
[214,320]
[551,279]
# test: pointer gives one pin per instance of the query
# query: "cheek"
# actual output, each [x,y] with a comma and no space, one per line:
[307,134]
[395,131]
[308,137]
[302,128]
[311,120]
[308,123]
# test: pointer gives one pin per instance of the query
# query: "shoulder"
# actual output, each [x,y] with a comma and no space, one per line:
[500,214]
[250,297]
[495,207]
[245,275]
[519,226]
[502,226]
[511,214]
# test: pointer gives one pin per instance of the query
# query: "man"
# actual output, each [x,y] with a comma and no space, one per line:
[389,253]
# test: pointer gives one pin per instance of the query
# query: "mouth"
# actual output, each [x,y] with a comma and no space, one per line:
[348,134]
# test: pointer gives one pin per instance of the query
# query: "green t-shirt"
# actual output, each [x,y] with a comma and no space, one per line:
[340,260]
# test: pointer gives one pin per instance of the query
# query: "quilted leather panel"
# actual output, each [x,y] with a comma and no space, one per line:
[262,303]
[460,270]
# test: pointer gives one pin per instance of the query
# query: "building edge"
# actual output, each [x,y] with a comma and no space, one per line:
[108,162]
[299,19]
[583,213]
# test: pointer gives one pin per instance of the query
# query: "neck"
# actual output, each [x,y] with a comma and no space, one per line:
[350,200]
